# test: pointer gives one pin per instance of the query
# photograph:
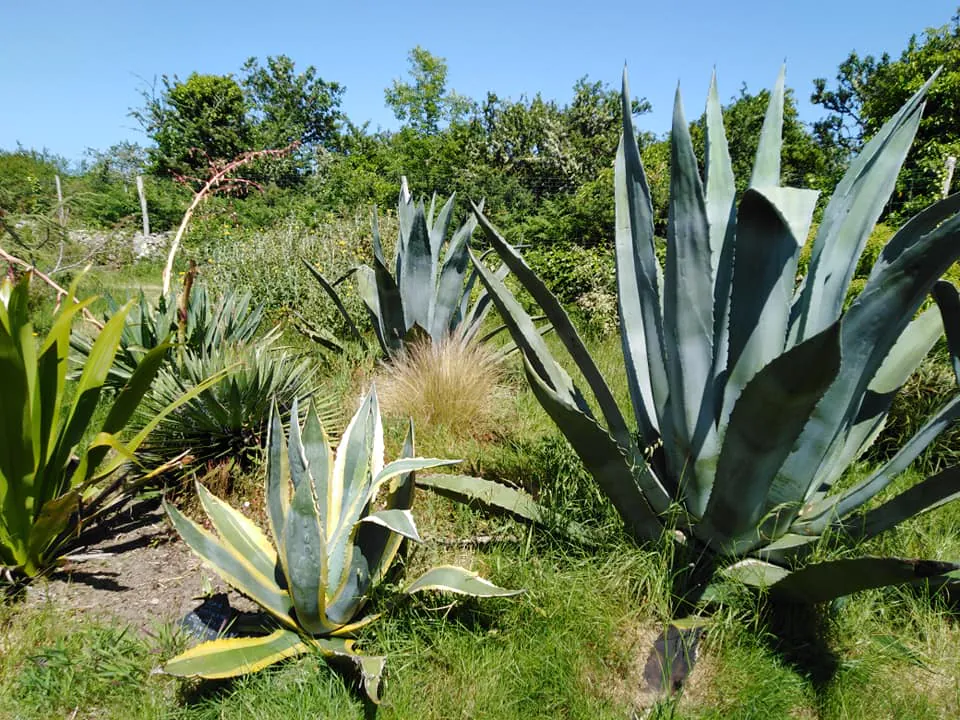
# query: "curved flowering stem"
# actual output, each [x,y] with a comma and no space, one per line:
[219,180]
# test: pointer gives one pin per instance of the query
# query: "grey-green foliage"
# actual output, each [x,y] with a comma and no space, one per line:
[219,336]
[228,421]
[211,323]
[338,521]
[429,290]
[752,396]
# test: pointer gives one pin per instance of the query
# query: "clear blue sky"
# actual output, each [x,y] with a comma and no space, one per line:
[71,70]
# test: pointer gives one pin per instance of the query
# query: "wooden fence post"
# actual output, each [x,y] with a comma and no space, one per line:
[951,166]
[143,205]
[60,209]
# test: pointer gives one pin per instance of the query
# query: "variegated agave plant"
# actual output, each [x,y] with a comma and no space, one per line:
[423,295]
[331,547]
[753,393]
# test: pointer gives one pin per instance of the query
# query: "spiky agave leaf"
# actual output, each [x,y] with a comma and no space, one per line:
[753,398]
[429,292]
[334,537]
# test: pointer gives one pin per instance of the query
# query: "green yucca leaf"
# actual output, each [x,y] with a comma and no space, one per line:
[52,482]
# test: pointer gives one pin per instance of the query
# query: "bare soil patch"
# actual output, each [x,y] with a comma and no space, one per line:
[135,571]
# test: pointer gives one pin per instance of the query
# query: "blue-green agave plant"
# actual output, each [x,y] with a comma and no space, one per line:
[429,293]
[753,391]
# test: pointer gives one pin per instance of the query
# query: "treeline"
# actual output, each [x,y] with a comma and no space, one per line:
[544,168]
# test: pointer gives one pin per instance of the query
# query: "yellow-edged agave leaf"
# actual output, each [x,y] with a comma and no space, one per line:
[377,542]
[398,521]
[451,578]
[238,531]
[296,456]
[305,560]
[348,630]
[349,489]
[403,467]
[230,657]
[278,478]
[316,450]
[235,569]
[370,666]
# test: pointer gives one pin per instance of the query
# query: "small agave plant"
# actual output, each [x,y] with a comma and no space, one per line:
[331,547]
[423,296]
[752,392]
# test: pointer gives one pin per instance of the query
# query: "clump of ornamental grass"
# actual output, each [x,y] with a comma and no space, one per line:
[452,383]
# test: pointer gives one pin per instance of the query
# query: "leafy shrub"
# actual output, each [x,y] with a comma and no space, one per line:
[571,271]
[582,277]
[267,264]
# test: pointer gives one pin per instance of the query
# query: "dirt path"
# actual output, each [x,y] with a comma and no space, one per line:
[137,572]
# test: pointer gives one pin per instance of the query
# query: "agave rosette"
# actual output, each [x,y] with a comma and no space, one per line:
[338,521]
[426,294]
[752,393]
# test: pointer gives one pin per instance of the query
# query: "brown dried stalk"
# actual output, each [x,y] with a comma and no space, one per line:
[61,293]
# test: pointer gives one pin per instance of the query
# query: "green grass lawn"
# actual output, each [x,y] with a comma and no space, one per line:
[572,646]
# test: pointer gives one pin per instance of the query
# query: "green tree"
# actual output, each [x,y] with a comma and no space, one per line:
[26,180]
[555,148]
[285,107]
[424,103]
[803,162]
[195,121]
[868,91]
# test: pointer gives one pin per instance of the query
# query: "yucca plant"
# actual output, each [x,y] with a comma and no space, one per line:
[752,394]
[228,420]
[338,521]
[423,296]
[56,475]
[209,325]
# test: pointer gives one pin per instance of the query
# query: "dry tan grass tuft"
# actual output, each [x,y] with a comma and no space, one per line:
[452,386]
